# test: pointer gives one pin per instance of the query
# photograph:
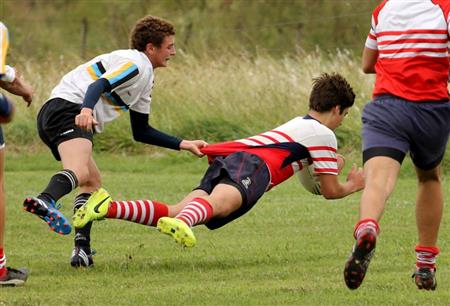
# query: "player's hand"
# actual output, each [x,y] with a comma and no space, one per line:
[193,146]
[85,119]
[28,97]
[356,176]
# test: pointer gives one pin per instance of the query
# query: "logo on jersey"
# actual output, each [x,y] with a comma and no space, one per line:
[246,182]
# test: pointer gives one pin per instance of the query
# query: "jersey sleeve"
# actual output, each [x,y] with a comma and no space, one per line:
[4,43]
[371,41]
[445,7]
[323,156]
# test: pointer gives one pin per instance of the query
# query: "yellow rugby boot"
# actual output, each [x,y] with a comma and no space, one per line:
[95,208]
[179,231]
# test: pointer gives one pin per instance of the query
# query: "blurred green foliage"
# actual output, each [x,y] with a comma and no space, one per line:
[43,28]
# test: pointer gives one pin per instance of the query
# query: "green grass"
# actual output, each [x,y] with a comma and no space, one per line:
[289,250]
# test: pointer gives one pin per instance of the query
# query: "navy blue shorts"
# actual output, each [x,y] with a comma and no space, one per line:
[247,172]
[393,127]
[5,110]
[56,124]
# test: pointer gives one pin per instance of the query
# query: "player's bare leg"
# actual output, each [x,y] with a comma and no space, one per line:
[381,175]
[429,208]
[76,154]
[222,201]
[8,276]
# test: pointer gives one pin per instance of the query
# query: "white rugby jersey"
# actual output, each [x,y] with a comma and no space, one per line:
[130,74]
[7,73]
[412,39]
[4,42]
[277,146]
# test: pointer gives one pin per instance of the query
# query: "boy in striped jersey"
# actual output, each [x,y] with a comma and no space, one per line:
[88,97]
[241,171]
[407,49]
[11,81]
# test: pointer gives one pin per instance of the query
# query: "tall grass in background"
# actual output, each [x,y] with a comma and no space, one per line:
[217,99]
[86,27]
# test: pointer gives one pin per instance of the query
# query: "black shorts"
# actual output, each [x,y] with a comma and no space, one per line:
[56,124]
[247,172]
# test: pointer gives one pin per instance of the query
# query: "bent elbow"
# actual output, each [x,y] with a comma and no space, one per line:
[330,194]
[137,137]
[368,69]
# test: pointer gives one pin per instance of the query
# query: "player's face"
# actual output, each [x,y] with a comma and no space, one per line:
[159,56]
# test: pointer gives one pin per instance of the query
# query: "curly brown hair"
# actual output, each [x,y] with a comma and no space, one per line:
[150,29]
[330,90]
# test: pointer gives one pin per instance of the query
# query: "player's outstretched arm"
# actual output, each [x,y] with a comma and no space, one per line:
[333,189]
[143,132]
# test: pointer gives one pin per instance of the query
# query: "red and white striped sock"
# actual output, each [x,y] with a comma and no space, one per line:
[426,257]
[144,212]
[2,263]
[197,211]
[366,224]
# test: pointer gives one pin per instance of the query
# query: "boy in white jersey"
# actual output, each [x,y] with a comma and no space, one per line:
[11,81]
[407,48]
[241,171]
[87,98]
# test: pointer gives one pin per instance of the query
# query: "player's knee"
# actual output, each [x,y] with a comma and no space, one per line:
[223,208]
[88,178]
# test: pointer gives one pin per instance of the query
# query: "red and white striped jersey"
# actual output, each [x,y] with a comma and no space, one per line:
[412,40]
[287,148]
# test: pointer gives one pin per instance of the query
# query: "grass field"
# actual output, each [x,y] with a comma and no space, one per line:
[289,250]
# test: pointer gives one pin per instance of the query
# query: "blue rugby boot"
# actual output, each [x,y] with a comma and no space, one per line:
[49,213]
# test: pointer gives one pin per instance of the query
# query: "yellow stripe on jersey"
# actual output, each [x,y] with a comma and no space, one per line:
[119,71]
[92,73]
[124,73]
[4,41]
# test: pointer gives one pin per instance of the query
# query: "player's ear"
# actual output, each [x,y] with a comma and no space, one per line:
[337,109]
[150,48]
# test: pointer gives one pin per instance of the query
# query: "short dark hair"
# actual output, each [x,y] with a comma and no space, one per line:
[330,90]
[150,29]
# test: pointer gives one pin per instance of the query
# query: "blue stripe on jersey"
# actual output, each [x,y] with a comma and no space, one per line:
[96,70]
[124,76]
